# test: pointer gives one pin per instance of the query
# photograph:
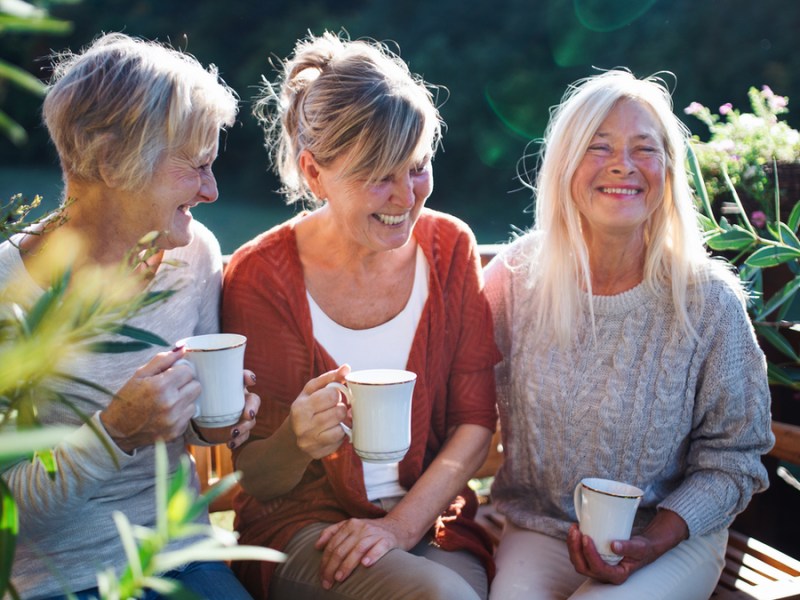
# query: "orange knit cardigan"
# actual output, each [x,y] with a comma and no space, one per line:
[453,354]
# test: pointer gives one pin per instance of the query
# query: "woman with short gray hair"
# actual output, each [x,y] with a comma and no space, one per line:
[136,126]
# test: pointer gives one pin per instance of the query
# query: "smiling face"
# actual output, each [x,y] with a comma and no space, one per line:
[379,215]
[181,181]
[621,178]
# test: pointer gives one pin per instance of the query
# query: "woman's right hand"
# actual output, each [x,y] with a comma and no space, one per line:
[316,413]
[156,403]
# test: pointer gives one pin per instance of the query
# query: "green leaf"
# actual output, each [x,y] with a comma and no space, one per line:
[23,443]
[9,24]
[736,238]
[787,236]
[706,224]
[777,341]
[12,130]
[142,335]
[22,79]
[771,256]
[777,376]
[786,293]
[212,493]
[9,529]
[794,217]
[116,347]
[697,179]
[47,301]
[48,461]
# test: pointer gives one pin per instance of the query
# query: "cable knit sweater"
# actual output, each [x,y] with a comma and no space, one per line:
[684,419]
[67,533]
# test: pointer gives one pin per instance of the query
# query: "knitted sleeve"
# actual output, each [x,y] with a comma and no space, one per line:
[731,423]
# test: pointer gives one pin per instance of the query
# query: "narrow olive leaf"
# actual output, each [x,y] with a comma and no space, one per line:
[794,217]
[697,179]
[116,347]
[214,492]
[785,294]
[770,256]
[87,420]
[777,376]
[180,478]
[736,238]
[153,297]
[85,382]
[141,335]
[24,442]
[777,341]
[9,529]
[48,461]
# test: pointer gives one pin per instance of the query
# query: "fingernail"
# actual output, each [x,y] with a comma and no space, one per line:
[177,348]
[253,377]
[231,445]
[326,585]
[235,433]
[252,414]
[339,576]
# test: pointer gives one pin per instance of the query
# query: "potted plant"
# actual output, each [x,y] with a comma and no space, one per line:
[752,148]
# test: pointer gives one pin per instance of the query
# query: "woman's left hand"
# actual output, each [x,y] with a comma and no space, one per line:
[354,542]
[235,436]
[664,532]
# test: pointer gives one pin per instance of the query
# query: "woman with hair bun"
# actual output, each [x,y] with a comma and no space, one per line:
[368,279]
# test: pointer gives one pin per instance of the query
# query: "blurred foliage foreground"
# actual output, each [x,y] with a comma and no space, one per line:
[75,315]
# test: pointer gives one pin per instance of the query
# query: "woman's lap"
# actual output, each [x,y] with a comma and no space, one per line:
[535,566]
[424,572]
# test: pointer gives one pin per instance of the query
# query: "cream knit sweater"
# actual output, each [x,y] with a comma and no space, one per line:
[684,420]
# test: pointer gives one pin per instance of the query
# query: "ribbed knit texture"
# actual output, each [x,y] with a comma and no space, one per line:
[67,533]
[684,420]
[453,355]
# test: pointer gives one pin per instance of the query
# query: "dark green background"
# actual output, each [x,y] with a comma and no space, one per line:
[502,63]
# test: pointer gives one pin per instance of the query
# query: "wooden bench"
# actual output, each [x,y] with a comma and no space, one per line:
[753,570]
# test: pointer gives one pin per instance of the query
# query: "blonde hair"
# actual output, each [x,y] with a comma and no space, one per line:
[122,104]
[337,96]
[675,256]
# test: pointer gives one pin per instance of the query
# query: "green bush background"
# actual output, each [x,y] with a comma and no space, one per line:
[503,63]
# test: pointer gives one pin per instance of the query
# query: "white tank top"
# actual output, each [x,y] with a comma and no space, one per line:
[386,346]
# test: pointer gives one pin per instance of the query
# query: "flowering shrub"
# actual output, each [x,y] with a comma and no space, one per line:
[744,144]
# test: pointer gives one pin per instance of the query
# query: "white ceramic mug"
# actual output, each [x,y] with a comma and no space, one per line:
[217,360]
[380,400]
[605,510]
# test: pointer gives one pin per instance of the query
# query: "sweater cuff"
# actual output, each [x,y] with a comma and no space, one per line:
[702,510]
[102,457]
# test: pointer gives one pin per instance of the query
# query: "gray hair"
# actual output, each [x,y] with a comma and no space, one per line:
[117,108]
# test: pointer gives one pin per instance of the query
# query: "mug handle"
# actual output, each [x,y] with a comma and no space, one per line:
[183,361]
[348,394]
[577,498]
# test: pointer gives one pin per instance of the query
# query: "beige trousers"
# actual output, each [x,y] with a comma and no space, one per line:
[534,566]
[425,573]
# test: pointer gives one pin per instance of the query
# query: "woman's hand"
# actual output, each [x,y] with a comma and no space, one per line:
[315,415]
[236,435]
[664,532]
[156,403]
[347,544]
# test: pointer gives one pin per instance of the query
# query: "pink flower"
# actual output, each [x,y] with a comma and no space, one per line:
[766,91]
[725,108]
[693,108]
[758,218]
[777,102]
